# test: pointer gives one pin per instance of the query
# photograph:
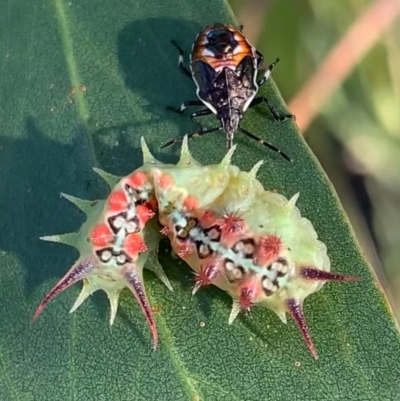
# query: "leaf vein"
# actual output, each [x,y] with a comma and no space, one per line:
[67,43]
[187,379]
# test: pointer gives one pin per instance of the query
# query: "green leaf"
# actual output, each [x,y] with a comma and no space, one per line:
[81,82]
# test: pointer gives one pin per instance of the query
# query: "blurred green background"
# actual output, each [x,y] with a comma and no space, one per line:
[356,133]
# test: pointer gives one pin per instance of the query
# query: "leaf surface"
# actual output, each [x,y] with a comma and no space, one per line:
[81,82]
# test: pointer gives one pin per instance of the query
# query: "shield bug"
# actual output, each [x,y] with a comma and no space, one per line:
[224,67]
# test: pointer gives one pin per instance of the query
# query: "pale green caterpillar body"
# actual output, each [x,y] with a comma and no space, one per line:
[252,243]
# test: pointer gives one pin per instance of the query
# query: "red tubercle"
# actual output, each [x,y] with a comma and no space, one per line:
[184,250]
[233,228]
[208,273]
[191,203]
[144,214]
[134,244]
[101,235]
[249,292]
[165,180]
[207,218]
[269,249]
[246,298]
[165,230]
[232,224]
[137,180]
[152,204]
[117,201]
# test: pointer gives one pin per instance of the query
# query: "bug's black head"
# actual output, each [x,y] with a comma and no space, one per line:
[220,34]
[221,40]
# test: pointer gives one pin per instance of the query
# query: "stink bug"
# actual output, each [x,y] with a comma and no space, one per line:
[224,66]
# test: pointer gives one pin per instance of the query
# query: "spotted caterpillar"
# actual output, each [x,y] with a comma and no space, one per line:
[234,234]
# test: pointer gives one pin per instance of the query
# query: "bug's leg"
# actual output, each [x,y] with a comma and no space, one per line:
[265,143]
[184,105]
[193,135]
[181,66]
[274,112]
[260,59]
[193,116]
[200,113]
[268,72]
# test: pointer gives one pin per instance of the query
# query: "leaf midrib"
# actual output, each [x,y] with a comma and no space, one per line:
[67,44]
